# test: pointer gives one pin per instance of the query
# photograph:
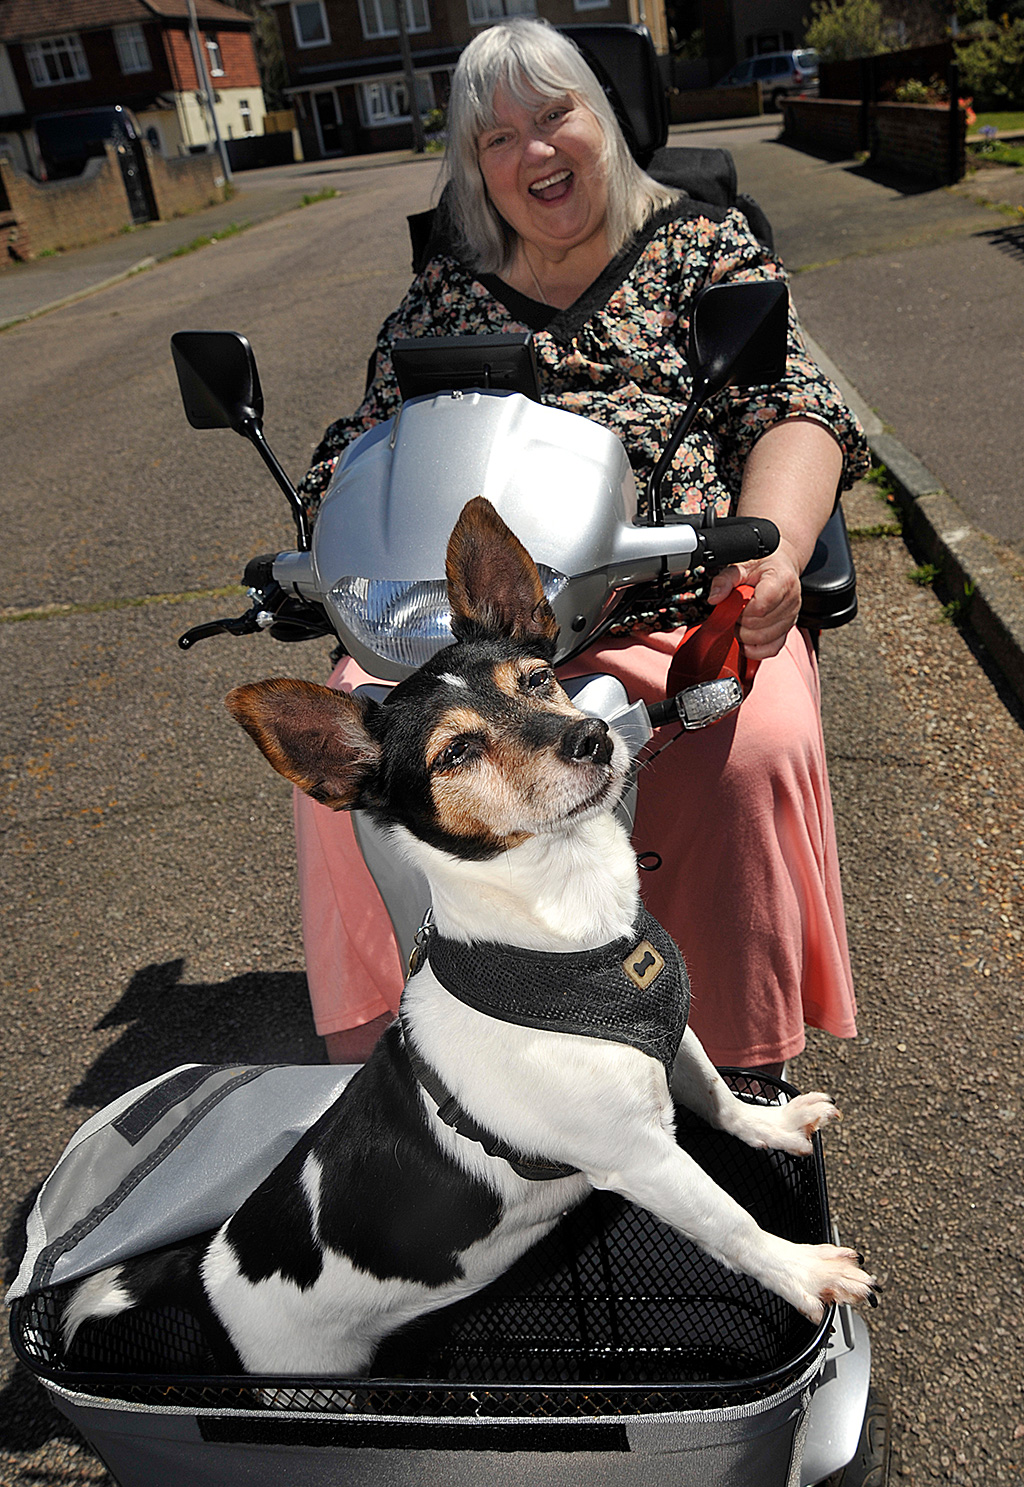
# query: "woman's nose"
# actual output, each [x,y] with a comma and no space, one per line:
[537,150]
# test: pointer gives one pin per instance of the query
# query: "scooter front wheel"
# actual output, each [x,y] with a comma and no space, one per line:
[869,1466]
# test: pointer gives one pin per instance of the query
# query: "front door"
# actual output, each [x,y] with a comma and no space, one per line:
[328,122]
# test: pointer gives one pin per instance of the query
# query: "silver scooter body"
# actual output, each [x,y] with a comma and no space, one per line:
[562,483]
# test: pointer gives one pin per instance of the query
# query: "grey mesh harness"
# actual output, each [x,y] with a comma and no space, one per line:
[634,990]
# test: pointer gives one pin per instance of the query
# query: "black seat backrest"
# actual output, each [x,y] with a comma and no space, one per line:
[626,65]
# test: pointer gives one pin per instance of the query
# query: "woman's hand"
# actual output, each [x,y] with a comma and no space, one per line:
[773,609]
[791,477]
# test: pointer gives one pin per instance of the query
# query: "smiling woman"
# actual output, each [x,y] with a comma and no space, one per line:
[557,231]
[542,167]
[530,106]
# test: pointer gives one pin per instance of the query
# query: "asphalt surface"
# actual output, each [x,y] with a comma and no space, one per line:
[149,911]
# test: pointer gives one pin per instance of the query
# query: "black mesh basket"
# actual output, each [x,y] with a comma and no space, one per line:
[614,1313]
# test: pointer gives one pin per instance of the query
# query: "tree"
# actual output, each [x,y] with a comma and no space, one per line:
[991,58]
[269,56]
[842,29]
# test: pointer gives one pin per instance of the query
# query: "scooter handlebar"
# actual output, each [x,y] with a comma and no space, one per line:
[735,539]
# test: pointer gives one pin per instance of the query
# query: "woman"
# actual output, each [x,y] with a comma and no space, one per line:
[561,233]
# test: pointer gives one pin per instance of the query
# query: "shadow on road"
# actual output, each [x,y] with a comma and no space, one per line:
[881,175]
[259,1017]
[1008,240]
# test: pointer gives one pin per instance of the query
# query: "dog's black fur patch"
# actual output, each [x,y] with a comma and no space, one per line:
[416,1210]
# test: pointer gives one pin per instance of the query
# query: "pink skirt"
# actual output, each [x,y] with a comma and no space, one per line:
[741,817]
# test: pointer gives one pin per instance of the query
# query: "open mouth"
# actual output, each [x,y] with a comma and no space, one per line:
[553,187]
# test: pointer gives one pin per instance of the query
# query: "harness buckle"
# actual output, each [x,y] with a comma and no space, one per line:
[421,944]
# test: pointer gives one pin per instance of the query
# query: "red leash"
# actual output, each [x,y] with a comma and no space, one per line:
[712,649]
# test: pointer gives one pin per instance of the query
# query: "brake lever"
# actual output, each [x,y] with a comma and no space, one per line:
[285,616]
[246,624]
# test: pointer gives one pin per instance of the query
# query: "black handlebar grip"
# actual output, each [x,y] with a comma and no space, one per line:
[259,572]
[738,539]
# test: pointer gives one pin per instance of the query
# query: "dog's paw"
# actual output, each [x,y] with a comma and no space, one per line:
[790,1127]
[825,1273]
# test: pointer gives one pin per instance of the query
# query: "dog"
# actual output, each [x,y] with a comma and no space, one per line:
[481,1117]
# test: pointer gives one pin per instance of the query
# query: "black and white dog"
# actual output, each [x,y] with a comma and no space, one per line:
[550,1084]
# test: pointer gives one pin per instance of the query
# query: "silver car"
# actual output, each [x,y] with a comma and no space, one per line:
[778,73]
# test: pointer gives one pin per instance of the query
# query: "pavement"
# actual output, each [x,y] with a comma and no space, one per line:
[31,289]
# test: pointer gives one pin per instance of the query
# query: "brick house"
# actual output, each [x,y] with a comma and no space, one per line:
[57,55]
[345,77]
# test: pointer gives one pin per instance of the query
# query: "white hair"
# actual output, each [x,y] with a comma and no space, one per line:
[530,61]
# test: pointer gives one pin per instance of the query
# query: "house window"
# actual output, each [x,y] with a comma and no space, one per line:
[132,51]
[387,100]
[309,21]
[216,61]
[380,17]
[483,11]
[246,113]
[58,59]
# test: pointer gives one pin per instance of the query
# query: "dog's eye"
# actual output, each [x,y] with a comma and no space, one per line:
[542,677]
[460,751]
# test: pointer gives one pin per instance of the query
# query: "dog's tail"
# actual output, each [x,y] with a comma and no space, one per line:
[165,1277]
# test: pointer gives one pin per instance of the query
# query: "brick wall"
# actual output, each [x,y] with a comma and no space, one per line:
[914,137]
[64,214]
[184,184]
[831,125]
[911,138]
[39,216]
[714,103]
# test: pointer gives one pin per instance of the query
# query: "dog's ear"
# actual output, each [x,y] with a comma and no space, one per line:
[314,736]
[493,583]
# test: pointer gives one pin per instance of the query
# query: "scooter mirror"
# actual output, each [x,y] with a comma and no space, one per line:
[738,334]
[220,386]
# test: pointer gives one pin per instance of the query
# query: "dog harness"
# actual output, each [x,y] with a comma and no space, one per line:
[634,990]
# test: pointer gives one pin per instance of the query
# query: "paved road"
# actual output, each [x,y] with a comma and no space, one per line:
[149,913]
[918,295]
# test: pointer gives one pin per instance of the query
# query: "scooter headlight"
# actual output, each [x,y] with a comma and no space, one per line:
[406,622]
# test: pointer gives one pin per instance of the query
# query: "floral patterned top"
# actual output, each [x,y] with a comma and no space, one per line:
[618,356]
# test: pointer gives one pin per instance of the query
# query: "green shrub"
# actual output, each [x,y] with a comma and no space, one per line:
[842,29]
[991,59]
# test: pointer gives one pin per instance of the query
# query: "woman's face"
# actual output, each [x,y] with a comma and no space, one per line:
[542,168]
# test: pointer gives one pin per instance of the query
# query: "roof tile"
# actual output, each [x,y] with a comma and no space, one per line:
[27,20]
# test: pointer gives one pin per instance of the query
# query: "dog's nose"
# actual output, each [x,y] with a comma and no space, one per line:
[588,742]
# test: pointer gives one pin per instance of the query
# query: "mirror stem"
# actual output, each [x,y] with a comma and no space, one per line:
[655,515]
[252,429]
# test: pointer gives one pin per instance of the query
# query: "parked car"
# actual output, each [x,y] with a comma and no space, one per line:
[69,139]
[778,73]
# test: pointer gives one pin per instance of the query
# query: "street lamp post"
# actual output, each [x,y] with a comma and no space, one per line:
[419,142]
[203,76]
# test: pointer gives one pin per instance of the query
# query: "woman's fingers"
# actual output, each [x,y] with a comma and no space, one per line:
[773,608]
